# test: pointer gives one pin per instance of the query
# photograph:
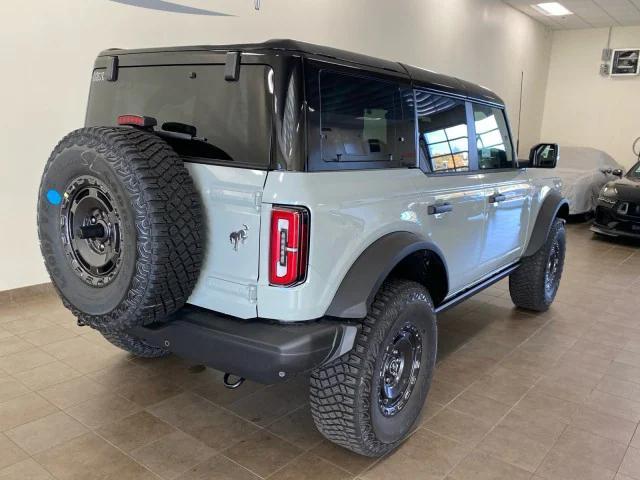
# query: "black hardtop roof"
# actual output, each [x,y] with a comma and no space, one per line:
[420,77]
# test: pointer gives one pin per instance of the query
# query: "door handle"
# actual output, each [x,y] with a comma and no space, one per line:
[497,198]
[440,208]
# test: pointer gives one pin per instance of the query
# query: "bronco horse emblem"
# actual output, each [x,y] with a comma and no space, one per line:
[238,237]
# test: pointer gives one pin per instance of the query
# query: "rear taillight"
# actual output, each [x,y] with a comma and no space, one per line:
[289,245]
[137,121]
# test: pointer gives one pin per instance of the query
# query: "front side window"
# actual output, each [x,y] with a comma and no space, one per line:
[492,138]
[443,134]
[635,171]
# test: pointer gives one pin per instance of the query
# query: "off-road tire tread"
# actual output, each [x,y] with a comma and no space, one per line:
[134,345]
[526,284]
[168,217]
[340,390]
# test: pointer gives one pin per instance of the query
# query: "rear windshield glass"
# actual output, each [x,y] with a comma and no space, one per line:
[232,120]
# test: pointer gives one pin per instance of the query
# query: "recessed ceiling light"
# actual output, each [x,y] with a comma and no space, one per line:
[552,9]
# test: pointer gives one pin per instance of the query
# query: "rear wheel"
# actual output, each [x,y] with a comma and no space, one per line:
[535,283]
[369,399]
[119,227]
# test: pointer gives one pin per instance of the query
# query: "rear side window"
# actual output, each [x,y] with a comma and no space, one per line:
[443,132]
[232,119]
[360,123]
[492,138]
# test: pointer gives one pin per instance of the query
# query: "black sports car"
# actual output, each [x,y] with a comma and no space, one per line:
[618,209]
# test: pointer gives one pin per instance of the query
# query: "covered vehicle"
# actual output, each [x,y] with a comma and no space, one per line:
[584,171]
[618,210]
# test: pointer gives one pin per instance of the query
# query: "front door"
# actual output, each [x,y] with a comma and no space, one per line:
[452,210]
[507,191]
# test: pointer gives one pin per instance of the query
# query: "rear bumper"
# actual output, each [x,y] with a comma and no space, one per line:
[260,350]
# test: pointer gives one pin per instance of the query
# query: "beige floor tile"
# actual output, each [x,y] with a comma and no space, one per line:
[172,455]
[623,371]
[483,408]
[457,426]
[13,344]
[121,373]
[11,388]
[443,392]
[310,467]
[25,470]
[88,363]
[507,387]
[72,392]
[218,468]
[102,410]
[481,466]
[10,453]
[26,324]
[631,463]
[266,405]
[23,409]
[547,405]
[424,455]
[72,347]
[149,391]
[613,405]
[214,390]
[341,457]
[557,466]
[514,447]
[90,457]
[208,423]
[564,389]
[48,335]
[135,431]
[635,441]
[47,375]
[25,360]
[608,426]
[46,432]
[297,428]
[591,448]
[542,429]
[263,453]
[619,388]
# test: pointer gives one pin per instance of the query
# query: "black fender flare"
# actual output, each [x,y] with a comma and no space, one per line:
[553,205]
[363,280]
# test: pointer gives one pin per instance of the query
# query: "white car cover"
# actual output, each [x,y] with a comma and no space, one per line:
[584,171]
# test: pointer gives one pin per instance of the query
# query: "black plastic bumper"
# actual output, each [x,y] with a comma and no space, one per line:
[260,350]
[609,222]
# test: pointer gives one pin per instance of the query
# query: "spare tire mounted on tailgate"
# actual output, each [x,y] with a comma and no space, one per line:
[119,223]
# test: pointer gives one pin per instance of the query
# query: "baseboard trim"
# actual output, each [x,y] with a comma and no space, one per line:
[27,293]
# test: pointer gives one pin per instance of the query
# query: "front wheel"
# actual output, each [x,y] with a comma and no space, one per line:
[369,399]
[535,283]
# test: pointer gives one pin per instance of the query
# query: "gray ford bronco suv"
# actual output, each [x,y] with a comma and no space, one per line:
[282,208]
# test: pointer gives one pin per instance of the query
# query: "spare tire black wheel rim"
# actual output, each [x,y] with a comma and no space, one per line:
[399,369]
[91,231]
[553,269]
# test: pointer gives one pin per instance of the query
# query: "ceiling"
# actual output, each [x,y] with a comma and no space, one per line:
[586,13]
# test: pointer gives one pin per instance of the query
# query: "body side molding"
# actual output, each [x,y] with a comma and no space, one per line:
[359,286]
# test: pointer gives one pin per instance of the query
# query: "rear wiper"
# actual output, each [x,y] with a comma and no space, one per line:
[180,130]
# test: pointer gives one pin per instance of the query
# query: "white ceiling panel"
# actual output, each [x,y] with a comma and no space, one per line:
[586,13]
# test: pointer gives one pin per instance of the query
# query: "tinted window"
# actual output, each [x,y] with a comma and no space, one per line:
[360,120]
[492,138]
[444,138]
[635,171]
[232,119]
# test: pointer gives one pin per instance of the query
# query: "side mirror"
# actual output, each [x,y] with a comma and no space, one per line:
[617,172]
[544,155]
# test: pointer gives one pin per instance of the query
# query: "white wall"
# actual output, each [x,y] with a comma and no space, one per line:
[583,108]
[47,51]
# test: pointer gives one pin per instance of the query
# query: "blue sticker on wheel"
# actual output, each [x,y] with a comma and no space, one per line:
[54,197]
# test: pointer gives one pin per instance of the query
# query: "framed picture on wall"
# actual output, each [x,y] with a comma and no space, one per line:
[625,61]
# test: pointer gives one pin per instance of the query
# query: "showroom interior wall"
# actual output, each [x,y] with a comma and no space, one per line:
[47,50]
[605,111]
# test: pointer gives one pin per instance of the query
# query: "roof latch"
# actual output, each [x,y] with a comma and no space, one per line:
[232,66]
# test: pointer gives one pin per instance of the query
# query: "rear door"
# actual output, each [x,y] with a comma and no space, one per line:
[508,190]
[222,129]
[452,213]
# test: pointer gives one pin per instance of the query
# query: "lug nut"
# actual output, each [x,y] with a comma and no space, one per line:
[93,220]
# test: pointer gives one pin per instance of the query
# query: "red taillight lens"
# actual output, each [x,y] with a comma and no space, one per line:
[137,121]
[289,245]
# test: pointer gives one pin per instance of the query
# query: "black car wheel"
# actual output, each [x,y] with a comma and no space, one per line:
[369,399]
[119,224]
[535,283]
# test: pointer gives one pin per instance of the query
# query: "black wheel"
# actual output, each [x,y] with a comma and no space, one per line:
[119,225]
[134,345]
[369,399]
[535,283]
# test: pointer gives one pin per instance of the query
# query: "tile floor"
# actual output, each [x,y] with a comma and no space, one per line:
[515,396]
